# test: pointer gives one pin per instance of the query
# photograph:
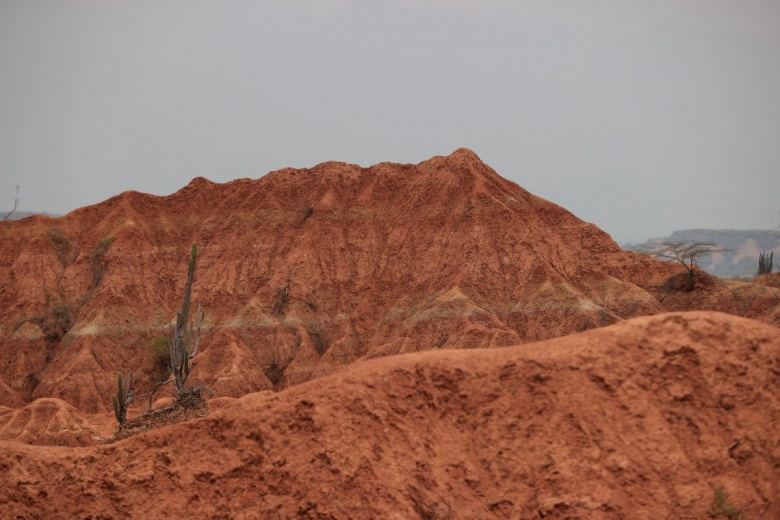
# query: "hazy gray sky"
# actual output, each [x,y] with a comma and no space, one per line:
[640,116]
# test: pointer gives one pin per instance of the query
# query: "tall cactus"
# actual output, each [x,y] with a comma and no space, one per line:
[123,398]
[182,351]
[765,262]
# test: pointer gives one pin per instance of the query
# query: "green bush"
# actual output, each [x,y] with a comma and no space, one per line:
[103,246]
[98,260]
[721,508]
[64,249]
[54,322]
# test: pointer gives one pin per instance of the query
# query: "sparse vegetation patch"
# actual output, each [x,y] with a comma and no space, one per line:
[65,251]
[282,295]
[182,344]
[98,260]
[54,322]
[160,358]
[722,508]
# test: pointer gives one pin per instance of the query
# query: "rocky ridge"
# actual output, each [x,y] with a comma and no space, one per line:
[302,272]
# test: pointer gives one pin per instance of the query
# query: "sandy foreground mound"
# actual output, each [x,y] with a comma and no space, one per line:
[643,419]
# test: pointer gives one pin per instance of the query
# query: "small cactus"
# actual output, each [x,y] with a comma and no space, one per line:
[123,397]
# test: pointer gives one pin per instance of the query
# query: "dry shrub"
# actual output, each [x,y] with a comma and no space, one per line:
[189,405]
[160,358]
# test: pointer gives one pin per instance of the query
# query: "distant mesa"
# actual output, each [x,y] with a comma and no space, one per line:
[745,245]
[16,215]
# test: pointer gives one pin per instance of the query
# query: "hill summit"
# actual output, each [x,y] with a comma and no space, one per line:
[304,271]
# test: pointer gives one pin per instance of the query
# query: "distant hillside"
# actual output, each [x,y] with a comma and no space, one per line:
[746,245]
[17,215]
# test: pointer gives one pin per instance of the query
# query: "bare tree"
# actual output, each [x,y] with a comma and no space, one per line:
[16,204]
[687,253]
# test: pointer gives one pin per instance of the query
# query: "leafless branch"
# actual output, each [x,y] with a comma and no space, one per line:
[16,204]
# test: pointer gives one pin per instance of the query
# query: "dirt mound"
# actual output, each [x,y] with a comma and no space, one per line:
[770,280]
[644,419]
[50,421]
[759,300]
[305,271]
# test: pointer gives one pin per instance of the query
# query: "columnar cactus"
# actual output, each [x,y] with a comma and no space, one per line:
[765,262]
[183,343]
[182,351]
[123,398]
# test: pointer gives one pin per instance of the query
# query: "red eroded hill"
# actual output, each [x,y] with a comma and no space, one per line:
[305,271]
[644,419]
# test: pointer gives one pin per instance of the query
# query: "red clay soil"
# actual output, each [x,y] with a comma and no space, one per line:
[305,271]
[770,280]
[644,419]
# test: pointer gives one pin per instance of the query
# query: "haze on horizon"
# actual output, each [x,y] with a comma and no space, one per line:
[641,117]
